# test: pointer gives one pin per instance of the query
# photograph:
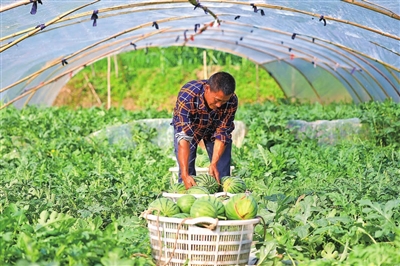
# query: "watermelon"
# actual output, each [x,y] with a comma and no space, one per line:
[233,185]
[197,190]
[181,215]
[207,181]
[185,202]
[222,179]
[241,206]
[217,203]
[167,207]
[203,208]
[177,188]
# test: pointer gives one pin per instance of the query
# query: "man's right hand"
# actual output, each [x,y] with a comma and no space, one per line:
[188,181]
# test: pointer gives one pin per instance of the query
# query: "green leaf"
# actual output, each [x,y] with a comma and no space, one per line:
[302,231]
[266,253]
[329,251]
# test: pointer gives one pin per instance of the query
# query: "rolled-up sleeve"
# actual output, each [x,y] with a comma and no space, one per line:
[225,125]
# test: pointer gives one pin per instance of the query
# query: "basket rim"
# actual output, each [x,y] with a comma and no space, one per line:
[191,221]
[177,195]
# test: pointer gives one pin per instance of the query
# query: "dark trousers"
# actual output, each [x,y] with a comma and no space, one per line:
[223,165]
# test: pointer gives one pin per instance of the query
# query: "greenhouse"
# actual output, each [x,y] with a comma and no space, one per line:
[87,93]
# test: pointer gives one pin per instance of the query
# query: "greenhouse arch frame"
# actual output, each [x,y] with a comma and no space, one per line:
[339,50]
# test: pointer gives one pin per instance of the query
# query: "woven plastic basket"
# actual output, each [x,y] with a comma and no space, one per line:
[200,241]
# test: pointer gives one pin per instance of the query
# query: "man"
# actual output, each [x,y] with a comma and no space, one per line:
[205,110]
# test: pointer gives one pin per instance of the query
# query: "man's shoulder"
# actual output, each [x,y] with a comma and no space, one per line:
[235,97]
[194,88]
[193,84]
[234,100]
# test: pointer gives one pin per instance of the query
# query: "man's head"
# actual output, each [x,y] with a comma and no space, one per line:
[219,89]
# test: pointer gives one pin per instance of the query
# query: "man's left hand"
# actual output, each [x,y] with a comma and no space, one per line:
[213,171]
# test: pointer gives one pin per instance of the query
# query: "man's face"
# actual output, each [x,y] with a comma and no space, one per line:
[215,99]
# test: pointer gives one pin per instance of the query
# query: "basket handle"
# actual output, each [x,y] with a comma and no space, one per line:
[203,220]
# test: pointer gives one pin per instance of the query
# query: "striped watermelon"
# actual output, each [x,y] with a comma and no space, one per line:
[203,208]
[222,179]
[241,207]
[217,203]
[167,207]
[185,202]
[207,181]
[177,188]
[197,190]
[181,215]
[234,185]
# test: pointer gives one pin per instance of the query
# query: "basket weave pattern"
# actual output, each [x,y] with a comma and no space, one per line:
[177,242]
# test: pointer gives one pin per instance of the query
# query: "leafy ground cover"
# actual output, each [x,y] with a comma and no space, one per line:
[65,200]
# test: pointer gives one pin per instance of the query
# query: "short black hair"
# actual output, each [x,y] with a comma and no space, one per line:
[222,81]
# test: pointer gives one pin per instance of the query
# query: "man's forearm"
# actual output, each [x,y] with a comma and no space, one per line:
[219,148]
[183,156]
[183,160]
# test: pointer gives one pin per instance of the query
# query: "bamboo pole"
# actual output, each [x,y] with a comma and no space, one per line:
[379,10]
[33,90]
[158,3]
[14,5]
[282,59]
[32,94]
[55,62]
[184,1]
[310,14]
[92,89]
[94,59]
[206,10]
[95,50]
[357,54]
[67,72]
[205,74]
[322,40]
[103,14]
[311,37]
[318,39]
[228,50]
[108,82]
[70,24]
[387,65]
[28,99]
[33,32]
[272,54]
[307,58]
[380,6]
[377,44]
[257,83]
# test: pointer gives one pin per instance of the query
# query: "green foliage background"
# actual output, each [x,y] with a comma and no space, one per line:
[152,78]
[69,200]
[65,200]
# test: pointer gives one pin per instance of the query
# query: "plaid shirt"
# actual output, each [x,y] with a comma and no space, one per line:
[193,120]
